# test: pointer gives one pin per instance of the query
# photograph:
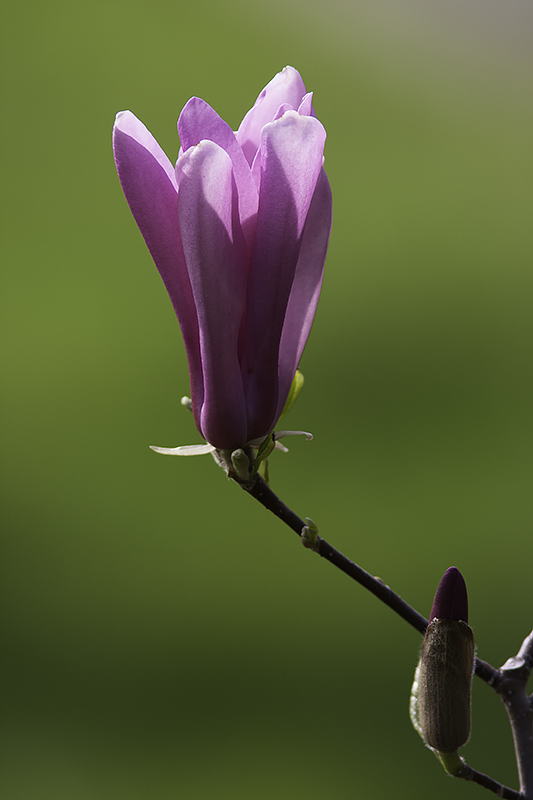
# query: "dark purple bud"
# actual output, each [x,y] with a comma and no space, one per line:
[451,599]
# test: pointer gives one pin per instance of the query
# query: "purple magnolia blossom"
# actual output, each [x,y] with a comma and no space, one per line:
[239,231]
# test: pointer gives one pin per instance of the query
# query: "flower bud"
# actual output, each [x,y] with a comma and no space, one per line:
[440,700]
[238,229]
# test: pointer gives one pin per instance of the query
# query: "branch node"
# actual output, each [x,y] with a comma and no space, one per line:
[310,537]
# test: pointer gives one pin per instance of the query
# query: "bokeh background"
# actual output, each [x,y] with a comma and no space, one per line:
[164,638]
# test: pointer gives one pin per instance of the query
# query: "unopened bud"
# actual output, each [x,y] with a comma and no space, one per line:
[440,701]
[241,465]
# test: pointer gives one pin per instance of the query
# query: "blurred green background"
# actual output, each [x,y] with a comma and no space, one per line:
[164,638]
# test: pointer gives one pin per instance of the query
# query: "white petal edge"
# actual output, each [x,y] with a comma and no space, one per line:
[279,446]
[281,434]
[185,450]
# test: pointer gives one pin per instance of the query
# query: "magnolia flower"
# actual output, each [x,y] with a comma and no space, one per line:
[238,231]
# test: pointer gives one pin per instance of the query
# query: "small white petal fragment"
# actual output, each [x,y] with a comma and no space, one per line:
[279,446]
[281,434]
[185,450]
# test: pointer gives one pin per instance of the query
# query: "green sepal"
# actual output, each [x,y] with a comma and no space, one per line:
[452,762]
[265,448]
[264,471]
[294,391]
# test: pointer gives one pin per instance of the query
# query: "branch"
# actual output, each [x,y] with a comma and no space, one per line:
[511,687]
[509,682]
[480,778]
[264,494]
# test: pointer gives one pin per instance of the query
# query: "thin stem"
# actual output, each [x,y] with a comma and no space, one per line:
[487,673]
[480,778]
[262,492]
[374,585]
[509,682]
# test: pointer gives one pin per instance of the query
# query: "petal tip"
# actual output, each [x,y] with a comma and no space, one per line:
[451,600]
[184,450]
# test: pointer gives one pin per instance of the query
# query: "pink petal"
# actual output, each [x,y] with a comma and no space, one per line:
[306,286]
[215,253]
[286,87]
[149,183]
[256,163]
[284,107]
[306,106]
[291,153]
[199,121]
